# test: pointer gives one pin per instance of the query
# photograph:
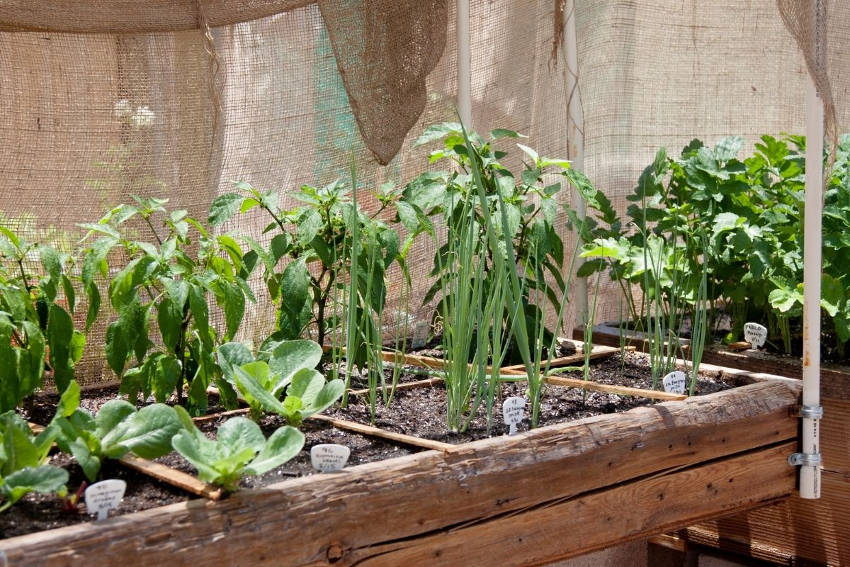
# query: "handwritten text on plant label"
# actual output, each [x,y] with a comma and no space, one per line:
[513,411]
[674,383]
[328,457]
[103,496]
[755,334]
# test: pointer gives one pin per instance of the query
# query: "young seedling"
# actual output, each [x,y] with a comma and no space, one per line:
[239,449]
[117,430]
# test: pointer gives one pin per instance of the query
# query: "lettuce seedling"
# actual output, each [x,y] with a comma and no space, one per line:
[240,449]
[280,366]
[117,430]
[22,462]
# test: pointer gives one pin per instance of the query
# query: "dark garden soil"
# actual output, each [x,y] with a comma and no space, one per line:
[418,411]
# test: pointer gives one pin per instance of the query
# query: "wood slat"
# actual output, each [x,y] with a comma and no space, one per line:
[597,351]
[171,476]
[620,390]
[384,434]
[812,530]
[599,519]
[686,451]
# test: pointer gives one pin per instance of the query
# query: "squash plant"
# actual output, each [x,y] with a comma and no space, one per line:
[166,286]
[750,212]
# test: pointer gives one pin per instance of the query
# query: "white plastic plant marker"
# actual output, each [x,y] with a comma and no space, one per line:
[755,334]
[513,412]
[329,457]
[675,382]
[103,496]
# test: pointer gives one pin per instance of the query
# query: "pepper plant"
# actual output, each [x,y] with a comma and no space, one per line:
[165,289]
[37,330]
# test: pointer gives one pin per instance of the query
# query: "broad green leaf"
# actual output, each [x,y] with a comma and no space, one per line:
[197,451]
[89,462]
[288,357]
[504,133]
[60,333]
[306,384]
[164,378]
[69,401]
[44,479]
[330,393]
[284,444]
[249,386]
[111,415]
[295,286]
[169,317]
[832,294]
[437,132]
[238,434]
[147,433]
[224,207]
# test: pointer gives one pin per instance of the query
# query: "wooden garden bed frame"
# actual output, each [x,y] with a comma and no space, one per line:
[549,493]
[791,531]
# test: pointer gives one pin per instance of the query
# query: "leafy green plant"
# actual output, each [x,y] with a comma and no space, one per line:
[281,367]
[36,328]
[240,449]
[318,231]
[22,462]
[739,221]
[174,280]
[117,430]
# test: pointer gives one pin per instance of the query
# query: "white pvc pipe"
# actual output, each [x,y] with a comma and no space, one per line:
[464,65]
[810,477]
[575,134]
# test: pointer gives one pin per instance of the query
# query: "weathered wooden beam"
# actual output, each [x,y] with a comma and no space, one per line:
[587,522]
[674,447]
[793,531]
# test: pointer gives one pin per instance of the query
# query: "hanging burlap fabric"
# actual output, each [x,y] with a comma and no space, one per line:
[384,48]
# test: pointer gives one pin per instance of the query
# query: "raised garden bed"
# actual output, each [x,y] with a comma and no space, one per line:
[596,481]
[793,530]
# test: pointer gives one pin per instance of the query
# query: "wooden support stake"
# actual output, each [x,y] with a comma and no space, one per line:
[404,386]
[620,390]
[609,388]
[171,476]
[215,416]
[598,351]
[384,434]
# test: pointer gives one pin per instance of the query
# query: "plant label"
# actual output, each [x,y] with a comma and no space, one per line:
[513,412]
[675,382]
[103,496]
[329,457]
[755,334]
